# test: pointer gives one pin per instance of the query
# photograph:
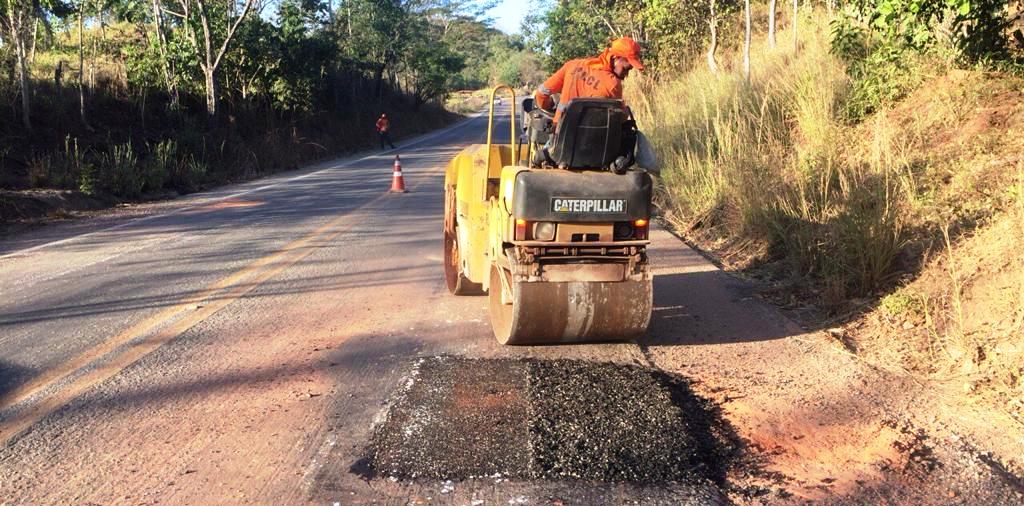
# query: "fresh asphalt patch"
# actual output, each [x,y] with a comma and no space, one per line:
[458,418]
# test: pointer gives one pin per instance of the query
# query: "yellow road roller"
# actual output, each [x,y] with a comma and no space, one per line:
[553,226]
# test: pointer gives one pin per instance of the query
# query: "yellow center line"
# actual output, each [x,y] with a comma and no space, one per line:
[19,394]
[264,269]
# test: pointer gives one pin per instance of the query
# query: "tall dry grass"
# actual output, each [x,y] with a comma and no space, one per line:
[764,163]
[928,189]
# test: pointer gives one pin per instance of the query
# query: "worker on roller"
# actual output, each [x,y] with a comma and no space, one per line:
[598,77]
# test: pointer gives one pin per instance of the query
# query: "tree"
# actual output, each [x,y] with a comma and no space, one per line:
[18,23]
[295,57]
[977,28]
[671,32]
[18,15]
[375,35]
[81,65]
[224,23]
[568,30]
[431,67]
[472,41]
[166,66]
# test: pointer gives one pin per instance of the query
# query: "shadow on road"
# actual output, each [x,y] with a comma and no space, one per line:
[711,307]
[11,376]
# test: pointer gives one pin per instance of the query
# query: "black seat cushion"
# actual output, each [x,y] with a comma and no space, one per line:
[589,133]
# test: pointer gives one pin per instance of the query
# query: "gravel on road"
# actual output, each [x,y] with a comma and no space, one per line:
[460,418]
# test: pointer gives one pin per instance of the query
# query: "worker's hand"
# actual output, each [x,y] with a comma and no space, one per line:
[543,113]
[620,165]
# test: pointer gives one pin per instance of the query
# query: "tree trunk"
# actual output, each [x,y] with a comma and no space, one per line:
[161,40]
[211,92]
[23,77]
[771,23]
[213,60]
[99,18]
[796,16]
[58,80]
[142,108]
[92,60]
[746,42]
[378,80]
[35,39]
[713,25]
[81,67]
[209,67]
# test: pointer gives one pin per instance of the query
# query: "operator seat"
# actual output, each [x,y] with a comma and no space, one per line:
[589,134]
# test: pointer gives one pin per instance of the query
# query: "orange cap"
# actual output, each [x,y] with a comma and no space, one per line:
[627,48]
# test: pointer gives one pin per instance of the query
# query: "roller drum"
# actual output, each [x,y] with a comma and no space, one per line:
[567,312]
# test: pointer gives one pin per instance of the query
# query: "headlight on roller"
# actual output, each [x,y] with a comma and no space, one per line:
[543,231]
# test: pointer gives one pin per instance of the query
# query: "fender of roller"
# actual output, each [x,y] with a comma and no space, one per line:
[551,313]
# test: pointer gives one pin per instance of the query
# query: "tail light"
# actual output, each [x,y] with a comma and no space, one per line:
[520,229]
[640,229]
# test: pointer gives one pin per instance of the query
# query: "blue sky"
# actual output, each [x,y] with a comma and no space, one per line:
[508,14]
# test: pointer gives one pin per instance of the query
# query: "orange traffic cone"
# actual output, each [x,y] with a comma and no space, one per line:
[397,181]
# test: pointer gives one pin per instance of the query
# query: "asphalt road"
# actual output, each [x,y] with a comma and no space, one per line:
[239,345]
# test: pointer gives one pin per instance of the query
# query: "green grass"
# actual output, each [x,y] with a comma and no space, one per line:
[902,304]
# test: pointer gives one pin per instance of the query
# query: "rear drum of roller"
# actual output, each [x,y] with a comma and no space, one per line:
[568,312]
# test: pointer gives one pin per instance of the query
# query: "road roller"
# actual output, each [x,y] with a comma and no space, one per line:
[553,226]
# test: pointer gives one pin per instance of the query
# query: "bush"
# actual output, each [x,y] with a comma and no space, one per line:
[119,173]
[884,76]
[40,171]
[162,163]
[974,29]
[195,172]
[88,180]
[892,45]
[902,304]
[869,231]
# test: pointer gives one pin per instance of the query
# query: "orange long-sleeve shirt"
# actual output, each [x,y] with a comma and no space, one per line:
[584,78]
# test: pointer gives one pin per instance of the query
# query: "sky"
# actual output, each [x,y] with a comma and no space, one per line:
[508,14]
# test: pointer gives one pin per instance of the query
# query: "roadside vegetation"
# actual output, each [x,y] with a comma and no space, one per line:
[865,161]
[122,100]
[865,167]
